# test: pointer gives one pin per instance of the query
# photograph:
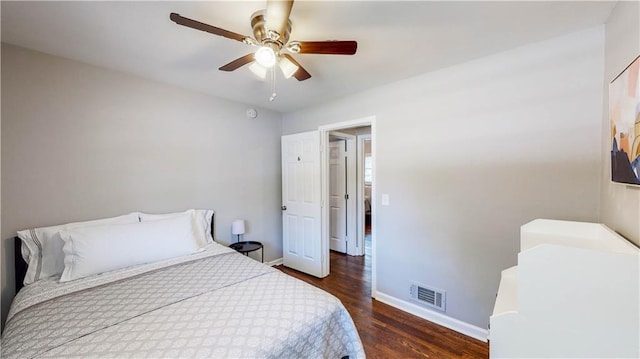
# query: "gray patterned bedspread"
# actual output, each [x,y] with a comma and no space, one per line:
[217,304]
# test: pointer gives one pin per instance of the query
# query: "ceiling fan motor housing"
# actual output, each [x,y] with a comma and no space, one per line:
[264,35]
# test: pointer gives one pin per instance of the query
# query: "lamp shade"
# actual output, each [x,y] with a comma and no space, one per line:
[265,56]
[237,227]
[258,70]
[288,68]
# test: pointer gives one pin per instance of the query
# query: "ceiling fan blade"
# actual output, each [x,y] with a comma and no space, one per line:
[328,47]
[277,15]
[301,74]
[181,20]
[237,63]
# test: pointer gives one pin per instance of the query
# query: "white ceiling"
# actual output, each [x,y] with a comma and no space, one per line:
[396,40]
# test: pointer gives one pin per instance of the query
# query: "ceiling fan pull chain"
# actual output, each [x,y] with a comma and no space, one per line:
[273,84]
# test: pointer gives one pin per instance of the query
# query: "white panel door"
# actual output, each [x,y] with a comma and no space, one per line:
[337,196]
[301,207]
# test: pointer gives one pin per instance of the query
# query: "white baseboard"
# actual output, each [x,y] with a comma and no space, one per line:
[276,262]
[441,319]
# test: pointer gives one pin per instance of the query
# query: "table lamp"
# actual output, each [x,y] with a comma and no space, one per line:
[237,228]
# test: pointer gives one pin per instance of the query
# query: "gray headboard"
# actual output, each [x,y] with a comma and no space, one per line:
[21,265]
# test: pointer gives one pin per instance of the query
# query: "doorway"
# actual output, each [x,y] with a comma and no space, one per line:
[363,222]
[349,186]
[342,168]
[305,207]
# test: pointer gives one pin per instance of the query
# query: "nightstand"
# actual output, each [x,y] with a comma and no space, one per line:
[248,246]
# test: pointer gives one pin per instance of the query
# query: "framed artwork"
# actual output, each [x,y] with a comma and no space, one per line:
[624,114]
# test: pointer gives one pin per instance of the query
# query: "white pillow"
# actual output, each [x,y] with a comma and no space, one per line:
[42,247]
[98,249]
[201,222]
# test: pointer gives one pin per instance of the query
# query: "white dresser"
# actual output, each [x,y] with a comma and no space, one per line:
[574,293]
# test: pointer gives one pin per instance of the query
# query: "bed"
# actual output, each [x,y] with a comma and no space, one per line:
[215,303]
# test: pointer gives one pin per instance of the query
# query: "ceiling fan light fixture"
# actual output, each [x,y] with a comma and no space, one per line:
[271,30]
[265,56]
[288,68]
[258,70]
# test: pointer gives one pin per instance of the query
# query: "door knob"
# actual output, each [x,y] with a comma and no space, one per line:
[284,208]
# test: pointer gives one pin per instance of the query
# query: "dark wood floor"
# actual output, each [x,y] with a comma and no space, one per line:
[387,332]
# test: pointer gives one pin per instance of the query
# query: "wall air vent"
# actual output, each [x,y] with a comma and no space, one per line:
[432,297]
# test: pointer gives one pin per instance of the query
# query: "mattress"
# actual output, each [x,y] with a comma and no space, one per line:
[213,304]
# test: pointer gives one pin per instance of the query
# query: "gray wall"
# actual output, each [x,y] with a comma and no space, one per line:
[620,204]
[81,142]
[469,153]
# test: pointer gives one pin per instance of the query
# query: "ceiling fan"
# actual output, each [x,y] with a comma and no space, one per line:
[271,29]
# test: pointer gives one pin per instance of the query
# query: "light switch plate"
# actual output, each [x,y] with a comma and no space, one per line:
[385,199]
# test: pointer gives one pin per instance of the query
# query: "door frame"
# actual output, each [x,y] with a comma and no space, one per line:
[351,188]
[324,150]
[360,193]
